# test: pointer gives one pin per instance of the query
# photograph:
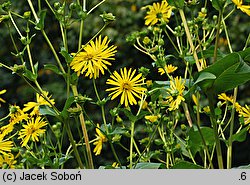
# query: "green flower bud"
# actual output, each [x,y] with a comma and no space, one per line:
[57,5]
[145,71]
[4,17]
[116,138]
[146,41]
[82,15]
[161,42]
[183,127]
[215,17]
[54,127]
[27,15]
[72,6]
[19,69]
[24,40]
[119,119]
[6,6]
[74,110]
[107,17]
[203,10]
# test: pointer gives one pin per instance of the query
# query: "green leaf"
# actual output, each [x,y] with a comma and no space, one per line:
[205,80]
[210,53]
[230,71]
[53,68]
[66,55]
[118,130]
[240,136]
[46,110]
[40,24]
[64,114]
[218,4]
[186,165]
[243,167]
[148,165]
[195,142]
[176,3]
[129,114]
[28,74]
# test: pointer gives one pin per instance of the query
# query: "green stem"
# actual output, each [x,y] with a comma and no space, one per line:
[230,139]
[131,144]
[215,128]
[105,123]
[217,36]
[95,6]
[85,133]
[190,39]
[53,51]
[199,130]
[72,141]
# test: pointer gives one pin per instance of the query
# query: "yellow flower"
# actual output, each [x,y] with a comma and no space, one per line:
[206,109]
[94,58]
[40,100]
[17,115]
[157,12]
[152,119]
[245,112]
[32,130]
[226,99]
[5,130]
[9,160]
[5,146]
[203,63]
[2,92]
[127,86]
[175,93]
[100,139]
[243,8]
[168,68]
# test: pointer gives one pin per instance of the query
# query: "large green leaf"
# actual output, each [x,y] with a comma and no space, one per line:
[148,165]
[195,142]
[226,74]
[186,165]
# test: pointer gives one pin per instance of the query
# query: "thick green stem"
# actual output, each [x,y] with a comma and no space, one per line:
[131,145]
[230,139]
[85,133]
[199,130]
[183,18]
[215,128]
[72,141]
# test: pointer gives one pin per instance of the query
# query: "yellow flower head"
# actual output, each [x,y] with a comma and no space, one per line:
[226,99]
[100,140]
[17,115]
[175,93]
[40,100]
[243,8]
[5,130]
[32,130]
[5,146]
[2,92]
[152,118]
[157,12]
[94,58]
[7,159]
[127,86]
[168,68]
[245,112]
